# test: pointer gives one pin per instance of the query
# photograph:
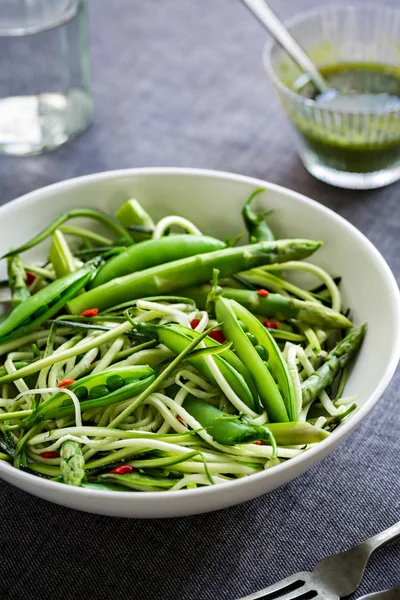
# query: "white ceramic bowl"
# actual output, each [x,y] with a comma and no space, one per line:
[213,201]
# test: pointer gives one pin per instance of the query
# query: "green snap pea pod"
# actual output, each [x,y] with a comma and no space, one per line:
[228,355]
[98,385]
[271,397]
[177,341]
[155,252]
[124,237]
[276,364]
[61,256]
[93,391]
[338,358]
[17,280]
[40,307]
[255,223]
[132,214]
[224,428]
[169,277]
[275,305]
[72,463]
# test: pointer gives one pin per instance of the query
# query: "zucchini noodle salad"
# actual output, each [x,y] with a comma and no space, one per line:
[156,358]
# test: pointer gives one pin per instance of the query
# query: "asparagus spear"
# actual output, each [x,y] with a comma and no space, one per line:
[338,358]
[72,463]
[274,305]
[190,271]
[17,280]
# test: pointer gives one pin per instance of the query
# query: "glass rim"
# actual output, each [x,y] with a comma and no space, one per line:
[301,18]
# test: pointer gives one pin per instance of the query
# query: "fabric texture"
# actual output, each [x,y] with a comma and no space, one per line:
[182,83]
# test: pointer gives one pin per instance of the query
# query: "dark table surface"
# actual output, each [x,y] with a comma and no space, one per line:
[181,83]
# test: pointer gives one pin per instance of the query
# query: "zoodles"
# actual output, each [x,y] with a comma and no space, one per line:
[158,359]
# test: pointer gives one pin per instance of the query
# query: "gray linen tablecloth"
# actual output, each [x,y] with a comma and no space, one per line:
[181,83]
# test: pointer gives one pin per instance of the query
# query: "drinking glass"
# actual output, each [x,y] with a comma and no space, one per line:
[345,147]
[45,91]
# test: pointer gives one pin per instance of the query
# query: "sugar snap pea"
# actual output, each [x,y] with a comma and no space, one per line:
[273,358]
[93,391]
[132,215]
[271,397]
[40,307]
[225,428]
[177,340]
[155,252]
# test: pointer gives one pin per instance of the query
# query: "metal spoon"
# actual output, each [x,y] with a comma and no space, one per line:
[271,22]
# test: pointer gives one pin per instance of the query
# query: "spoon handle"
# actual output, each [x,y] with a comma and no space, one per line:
[271,22]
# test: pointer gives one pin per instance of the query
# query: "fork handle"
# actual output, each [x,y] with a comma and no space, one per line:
[392,594]
[383,538]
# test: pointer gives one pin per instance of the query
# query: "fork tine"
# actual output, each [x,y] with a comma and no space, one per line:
[296,585]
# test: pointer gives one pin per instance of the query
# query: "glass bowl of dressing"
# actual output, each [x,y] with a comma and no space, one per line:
[350,138]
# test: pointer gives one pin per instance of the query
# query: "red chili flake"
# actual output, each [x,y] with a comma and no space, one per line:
[122,470]
[194,323]
[263,293]
[30,277]
[90,312]
[179,418]
[271,325]
[258,443]
[217,335]
[66,383]
[50,454]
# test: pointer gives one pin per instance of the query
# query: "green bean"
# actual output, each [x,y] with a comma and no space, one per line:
[133,214]
[255,223]
[224,428]
[275,305]
[169,277]
[17,280]
[32,313]
[228,312]
[72,214]
[155,252]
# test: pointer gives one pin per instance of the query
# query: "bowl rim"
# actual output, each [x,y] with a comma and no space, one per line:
[324,447]
[301,17]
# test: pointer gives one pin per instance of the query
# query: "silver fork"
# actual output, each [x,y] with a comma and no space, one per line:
[333,577]
[393,594]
